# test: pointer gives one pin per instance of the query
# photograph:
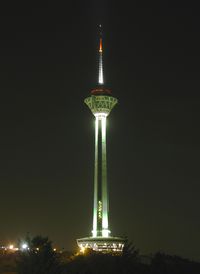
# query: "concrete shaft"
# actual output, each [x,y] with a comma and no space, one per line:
[100,211]
[100,106]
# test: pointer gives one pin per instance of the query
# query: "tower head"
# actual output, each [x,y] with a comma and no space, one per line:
[101,104]
[101,101]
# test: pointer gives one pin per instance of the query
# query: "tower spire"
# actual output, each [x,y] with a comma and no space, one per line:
[100,76]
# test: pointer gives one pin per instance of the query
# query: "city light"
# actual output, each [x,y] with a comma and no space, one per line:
[24,246]
[82,249]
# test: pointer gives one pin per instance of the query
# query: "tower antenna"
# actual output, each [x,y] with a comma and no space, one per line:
[100,76]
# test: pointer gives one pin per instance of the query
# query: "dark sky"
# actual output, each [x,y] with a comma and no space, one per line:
[48,65]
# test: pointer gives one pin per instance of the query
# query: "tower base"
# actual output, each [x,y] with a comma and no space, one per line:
[101,244]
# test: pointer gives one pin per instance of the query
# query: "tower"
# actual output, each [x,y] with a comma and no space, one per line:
[101,102]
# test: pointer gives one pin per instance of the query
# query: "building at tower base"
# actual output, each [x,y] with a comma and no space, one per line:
[101,244]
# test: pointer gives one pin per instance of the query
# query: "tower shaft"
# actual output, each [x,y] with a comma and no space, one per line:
[100,210]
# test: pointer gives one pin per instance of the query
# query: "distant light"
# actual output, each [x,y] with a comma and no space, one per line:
[24,246]
[54,249]
[82,249]
[11,247]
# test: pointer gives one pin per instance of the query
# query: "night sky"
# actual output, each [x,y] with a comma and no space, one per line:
[48,65]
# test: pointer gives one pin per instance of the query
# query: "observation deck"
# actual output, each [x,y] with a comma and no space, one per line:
[101,101]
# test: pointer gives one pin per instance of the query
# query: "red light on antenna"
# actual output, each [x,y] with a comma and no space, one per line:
[100,45]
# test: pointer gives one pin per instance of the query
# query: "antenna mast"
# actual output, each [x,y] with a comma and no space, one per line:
[100,80]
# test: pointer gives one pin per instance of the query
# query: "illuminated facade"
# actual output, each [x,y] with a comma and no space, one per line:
[101,102]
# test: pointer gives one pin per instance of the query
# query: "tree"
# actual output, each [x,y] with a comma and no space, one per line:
[39,258]
[93,262]
[168,264]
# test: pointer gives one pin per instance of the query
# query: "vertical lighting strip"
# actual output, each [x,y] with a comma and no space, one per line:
[105,231]
[94,231]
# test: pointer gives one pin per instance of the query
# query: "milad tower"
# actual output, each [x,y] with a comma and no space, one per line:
[101,102]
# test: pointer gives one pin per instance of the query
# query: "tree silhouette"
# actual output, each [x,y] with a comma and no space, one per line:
[97,263]
[168,264]
[39,258]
